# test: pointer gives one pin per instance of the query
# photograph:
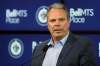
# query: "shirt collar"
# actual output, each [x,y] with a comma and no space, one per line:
[62,41]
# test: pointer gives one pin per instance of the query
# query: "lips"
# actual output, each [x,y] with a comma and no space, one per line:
[57,30]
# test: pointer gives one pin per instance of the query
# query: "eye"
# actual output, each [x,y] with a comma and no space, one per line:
[52,20]
[61,19]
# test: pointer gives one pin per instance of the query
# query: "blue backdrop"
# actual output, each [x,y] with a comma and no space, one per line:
[31,14]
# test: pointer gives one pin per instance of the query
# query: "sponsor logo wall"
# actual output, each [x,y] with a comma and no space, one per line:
[16,50]
[24,15]
[84,14]
[31,14]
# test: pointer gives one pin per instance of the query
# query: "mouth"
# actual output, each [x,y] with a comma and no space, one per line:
[57,30]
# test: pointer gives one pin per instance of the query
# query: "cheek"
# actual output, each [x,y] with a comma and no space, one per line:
[66,26]
[50,28]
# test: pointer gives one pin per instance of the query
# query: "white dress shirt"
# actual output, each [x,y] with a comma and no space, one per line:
[53,52]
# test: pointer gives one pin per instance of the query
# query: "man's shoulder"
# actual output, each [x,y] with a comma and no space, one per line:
[39,48]
[82,40]
[41,45]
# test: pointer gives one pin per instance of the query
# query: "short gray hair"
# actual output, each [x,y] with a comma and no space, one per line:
[59,6]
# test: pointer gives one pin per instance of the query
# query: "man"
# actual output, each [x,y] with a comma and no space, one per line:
[64,48]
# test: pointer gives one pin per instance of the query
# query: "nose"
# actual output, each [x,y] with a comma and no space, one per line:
[57,23]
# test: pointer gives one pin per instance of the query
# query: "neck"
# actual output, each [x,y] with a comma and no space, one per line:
[58,38]
[55,39]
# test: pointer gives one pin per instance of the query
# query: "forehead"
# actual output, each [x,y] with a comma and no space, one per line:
[56,12]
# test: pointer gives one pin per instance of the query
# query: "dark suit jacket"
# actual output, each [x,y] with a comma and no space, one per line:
[76,52]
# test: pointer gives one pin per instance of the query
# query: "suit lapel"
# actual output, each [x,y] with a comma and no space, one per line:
[66,49]
[40,54]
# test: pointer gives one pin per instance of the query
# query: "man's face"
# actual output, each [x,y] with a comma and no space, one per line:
[58,23]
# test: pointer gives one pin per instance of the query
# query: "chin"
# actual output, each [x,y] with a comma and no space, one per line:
[58,35]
